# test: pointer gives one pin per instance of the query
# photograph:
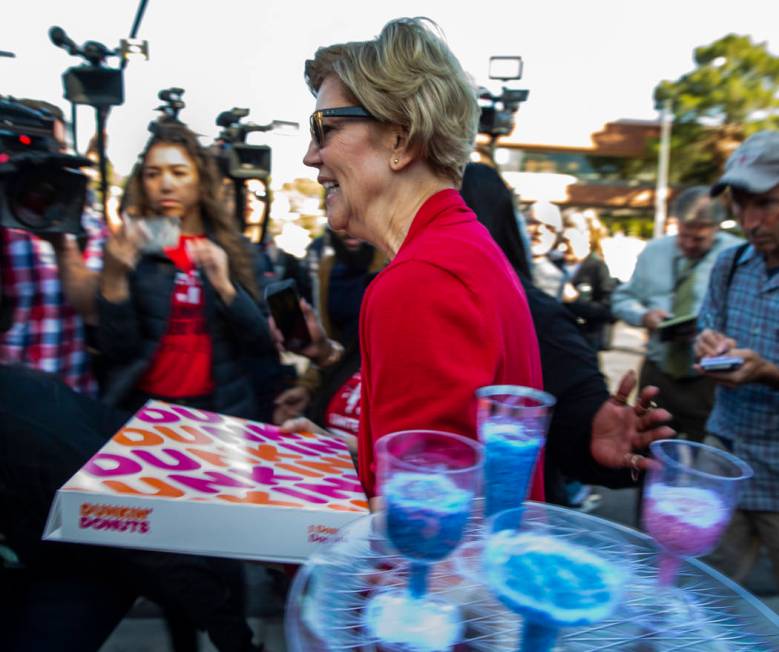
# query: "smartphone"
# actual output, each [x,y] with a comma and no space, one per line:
[284,303]
[721,363]
[160,232]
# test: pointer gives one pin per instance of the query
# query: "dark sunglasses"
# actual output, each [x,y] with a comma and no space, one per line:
[317,124]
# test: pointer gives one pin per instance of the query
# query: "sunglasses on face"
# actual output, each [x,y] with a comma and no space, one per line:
[317,119]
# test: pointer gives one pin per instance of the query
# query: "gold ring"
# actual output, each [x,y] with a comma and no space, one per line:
[632,459]
[634,468]
[643,410]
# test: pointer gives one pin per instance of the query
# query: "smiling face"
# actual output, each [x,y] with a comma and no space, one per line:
[171,183]
[353,162]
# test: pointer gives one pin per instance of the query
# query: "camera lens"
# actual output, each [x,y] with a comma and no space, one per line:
[32,197]
[47,197]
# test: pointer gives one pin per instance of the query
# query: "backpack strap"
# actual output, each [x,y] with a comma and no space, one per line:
[728,280]
[731,272]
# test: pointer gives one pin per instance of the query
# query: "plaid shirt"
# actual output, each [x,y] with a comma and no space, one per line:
[46,333]
[748,415]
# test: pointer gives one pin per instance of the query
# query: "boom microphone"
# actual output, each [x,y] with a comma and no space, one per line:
[58,36]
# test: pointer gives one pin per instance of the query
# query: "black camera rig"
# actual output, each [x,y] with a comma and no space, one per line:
[171,106]
[237,159]
[498,111]
[97,85]
[41,188]
[172,102]
[240,162]
[497,114]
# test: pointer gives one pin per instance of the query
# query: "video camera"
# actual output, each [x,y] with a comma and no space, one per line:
[95,84]
[172,102]
[497,111]
[237,160]
[41,188]
[170,108]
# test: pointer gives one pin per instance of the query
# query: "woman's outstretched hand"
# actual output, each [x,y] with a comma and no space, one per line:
[620,430]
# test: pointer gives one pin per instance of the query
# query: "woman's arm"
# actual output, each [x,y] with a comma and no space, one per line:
[118,333]
[244,317]
[589,434]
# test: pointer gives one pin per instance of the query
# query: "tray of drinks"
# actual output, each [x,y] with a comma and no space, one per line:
[627,608]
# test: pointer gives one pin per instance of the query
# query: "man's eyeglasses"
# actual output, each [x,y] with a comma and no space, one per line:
[317,124]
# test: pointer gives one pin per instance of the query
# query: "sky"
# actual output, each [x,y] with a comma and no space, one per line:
[586,62]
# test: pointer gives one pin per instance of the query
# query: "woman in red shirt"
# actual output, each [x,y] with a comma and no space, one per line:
[394,126]
[176,321]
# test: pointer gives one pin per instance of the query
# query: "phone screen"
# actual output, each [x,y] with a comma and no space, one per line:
[284,304]
[721,363]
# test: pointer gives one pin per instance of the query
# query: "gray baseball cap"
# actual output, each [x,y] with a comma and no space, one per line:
[754,166]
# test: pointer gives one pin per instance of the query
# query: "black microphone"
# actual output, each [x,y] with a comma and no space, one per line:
[58,36]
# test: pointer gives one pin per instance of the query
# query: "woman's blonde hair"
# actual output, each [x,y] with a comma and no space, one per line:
[408,76]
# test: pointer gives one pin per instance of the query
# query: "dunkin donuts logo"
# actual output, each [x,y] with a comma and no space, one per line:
[323,534]
[114,517]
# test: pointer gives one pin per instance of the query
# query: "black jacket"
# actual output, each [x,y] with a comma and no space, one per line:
[571,375]
[593,307]
[129,333]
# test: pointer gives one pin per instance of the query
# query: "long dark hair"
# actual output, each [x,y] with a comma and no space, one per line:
[487,195]
[219,223]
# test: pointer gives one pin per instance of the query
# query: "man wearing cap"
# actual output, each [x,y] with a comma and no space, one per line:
[669,281]
[740,317]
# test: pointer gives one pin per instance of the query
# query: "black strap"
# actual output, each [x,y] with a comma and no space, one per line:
[731,272]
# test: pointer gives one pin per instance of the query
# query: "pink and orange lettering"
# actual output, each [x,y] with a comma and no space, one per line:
[181,462]
[161,488]
[208,485]
[194,435]
[137,437]
[105,465]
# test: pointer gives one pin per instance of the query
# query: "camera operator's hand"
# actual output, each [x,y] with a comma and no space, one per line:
[119,257]
[212,259]
[79,283]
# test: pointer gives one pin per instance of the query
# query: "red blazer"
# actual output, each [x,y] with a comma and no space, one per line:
[447,316]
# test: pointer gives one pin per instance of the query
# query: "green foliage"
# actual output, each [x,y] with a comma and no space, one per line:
[732,93]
